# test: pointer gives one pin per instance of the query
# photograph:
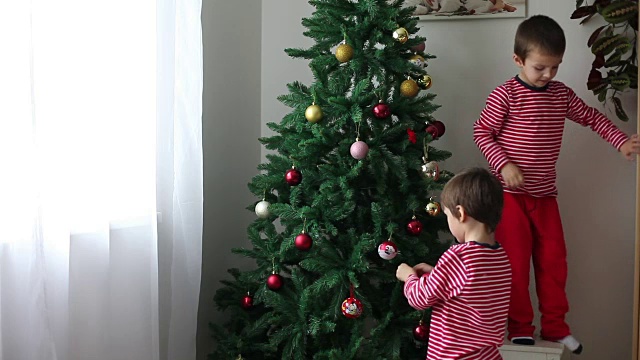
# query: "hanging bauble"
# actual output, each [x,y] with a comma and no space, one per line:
[419,48]
[381,110]
[274,282]
[401,35]
[421,332]
[359,149]
[414,227]
[424,82]
[313,114]
[409,88]
[262,209]
[247,302]
[431,170]
[351,308]
[387,250]
[440,126]
[433,208]
[417,60]
[303,241]
[433,131]
[293,176]
[344,53]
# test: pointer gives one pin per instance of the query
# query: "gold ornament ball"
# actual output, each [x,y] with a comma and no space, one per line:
[409,88]
[313,113]
[417,60]
[431,170]
[424,82]
[433,208]
[344,53]
[401,35]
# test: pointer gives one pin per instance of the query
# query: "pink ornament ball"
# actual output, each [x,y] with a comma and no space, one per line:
[359,150]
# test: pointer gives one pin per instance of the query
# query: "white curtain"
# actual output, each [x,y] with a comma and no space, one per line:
[100,179]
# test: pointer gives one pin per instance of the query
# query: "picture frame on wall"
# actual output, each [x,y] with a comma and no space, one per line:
[468,9]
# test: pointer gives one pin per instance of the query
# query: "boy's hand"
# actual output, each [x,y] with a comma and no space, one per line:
[631,147]
[422,268]
[404,271]
[512,175]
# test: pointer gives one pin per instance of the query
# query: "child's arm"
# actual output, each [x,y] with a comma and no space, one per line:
[445,281]
[585,115]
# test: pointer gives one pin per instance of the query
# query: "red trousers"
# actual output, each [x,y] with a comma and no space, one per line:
[531,228]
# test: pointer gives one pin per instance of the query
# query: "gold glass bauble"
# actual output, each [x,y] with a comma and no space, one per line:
[417,60]
[424,82]
[433,208]
[344,53]
[313,113]
[401,35]
[409,88]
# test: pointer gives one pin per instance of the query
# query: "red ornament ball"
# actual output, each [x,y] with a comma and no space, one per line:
[440,126]
[387,250]
[351,308]
[303,241]
[433,131]
[414,227]
[421,332]
[293,177]
[247,302]
[419,48]
[274,282]
[381,110]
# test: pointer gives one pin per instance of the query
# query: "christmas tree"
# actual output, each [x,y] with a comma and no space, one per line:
[347,195]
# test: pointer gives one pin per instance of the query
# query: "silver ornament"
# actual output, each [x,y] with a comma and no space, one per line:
[262,209]
[431,170]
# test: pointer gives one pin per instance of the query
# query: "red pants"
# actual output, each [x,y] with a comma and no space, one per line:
[531,228]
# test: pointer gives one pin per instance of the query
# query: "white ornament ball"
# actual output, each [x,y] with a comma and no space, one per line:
[262,209]
[359,150]
[388,250]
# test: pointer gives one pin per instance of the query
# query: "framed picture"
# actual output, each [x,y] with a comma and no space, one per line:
[468,9]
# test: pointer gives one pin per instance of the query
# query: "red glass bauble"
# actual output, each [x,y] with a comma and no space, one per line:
[433,131]
[274,282]
[388,250]
[351,308]
[247,302]
[421,332]
[414,227]
[440,126]
[293,176]
[303,241]
[381,111]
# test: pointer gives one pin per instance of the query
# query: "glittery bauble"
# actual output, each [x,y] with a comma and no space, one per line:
[344,53]
[431,170]
[417,60]
[409,88]
[303,241]
[401,35]
[440,126]
[387,250]
[313,114]
[274,282]
[359,150]
[419,48]
[293,176]
[247,302]
[262,209]
[424,82]
[433,131]
[381,110]
[414,227]
[351,308]
[421,332]
[433,208]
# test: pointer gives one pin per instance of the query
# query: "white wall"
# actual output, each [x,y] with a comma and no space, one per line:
[597,187]
[231,127]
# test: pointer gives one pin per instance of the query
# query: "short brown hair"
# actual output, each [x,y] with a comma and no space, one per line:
[540,33]
[479,192]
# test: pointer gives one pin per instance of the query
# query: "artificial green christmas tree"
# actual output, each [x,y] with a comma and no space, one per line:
[348,194]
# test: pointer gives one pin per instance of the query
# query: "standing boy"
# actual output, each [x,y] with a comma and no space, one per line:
[520,132]
[469,287]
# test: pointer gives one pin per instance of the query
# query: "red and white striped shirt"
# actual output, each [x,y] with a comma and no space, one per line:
[524,125]
[469,292]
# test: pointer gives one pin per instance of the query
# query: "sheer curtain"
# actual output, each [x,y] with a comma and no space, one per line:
[100,179]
